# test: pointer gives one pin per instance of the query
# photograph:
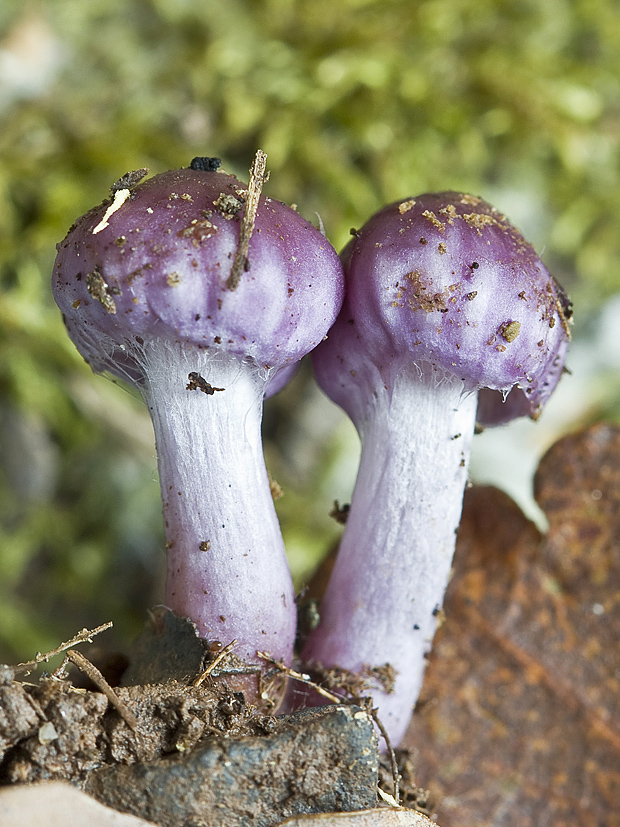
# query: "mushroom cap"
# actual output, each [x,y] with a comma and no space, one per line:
[159,268]
[445,279]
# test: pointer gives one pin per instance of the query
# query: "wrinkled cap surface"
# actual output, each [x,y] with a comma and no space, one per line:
[160,266]
[445,278]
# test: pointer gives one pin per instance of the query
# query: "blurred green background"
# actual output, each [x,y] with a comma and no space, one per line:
[356,103]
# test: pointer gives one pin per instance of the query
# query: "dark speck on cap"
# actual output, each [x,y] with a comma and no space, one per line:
[206,164]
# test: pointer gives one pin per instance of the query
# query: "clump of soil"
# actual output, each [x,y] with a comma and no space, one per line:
[51,730]
[182,690]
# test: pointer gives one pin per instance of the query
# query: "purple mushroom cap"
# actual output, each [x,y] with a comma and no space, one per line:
[444,278]
[161,268]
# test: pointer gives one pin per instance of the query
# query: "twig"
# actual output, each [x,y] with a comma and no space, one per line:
[300,676]
[392,754]
[91,671]
[85,636]
[241,262]
[218,659]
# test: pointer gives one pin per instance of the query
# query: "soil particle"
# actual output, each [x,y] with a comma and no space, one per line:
[228,206]
[198,230]
[430,216]
[510,330]
[18,716]
[100,290]
[76,716]
[198,383]
[418,294]
[405,206]
[478,221]
[340,513]
[169,649]
[206,163]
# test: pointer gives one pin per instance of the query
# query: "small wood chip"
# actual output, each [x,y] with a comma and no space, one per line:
[91,671]
[241,262]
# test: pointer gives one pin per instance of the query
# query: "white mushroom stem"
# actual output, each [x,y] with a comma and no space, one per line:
[393,566]
[227,568]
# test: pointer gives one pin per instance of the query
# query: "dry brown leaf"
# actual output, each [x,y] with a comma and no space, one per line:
[519,720]
[57,804]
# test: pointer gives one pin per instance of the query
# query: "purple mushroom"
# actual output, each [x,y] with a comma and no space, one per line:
[200,291]
[444,298]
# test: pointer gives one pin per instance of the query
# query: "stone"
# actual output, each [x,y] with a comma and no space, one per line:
[316,760]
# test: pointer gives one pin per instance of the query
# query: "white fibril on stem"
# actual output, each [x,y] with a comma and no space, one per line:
[227,566]
[394,560]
